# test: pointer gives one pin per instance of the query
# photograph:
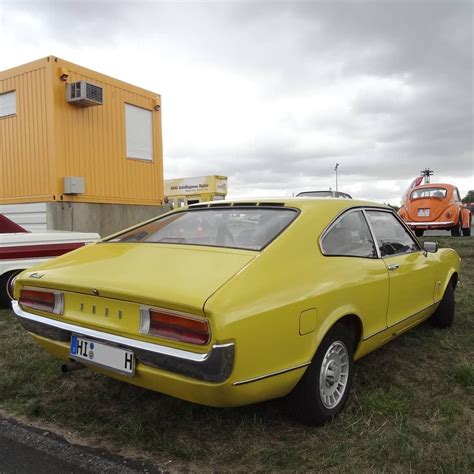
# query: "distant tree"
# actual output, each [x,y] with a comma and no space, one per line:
[469,196]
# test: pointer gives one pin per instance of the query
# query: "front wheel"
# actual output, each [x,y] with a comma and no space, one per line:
[443,317]
[323,390]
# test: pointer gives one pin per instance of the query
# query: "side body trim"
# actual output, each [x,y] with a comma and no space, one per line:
[272,374]
[398,322]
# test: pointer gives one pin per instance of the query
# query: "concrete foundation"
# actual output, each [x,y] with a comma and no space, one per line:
[105,219]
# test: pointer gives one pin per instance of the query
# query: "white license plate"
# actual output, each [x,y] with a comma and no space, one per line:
[102,355]
[423,213]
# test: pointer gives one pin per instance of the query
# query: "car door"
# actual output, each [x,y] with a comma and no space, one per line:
[360,277]
[411,271]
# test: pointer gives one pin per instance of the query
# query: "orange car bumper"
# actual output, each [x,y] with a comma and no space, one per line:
[431,225]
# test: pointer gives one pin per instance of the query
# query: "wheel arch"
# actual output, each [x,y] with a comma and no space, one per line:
[453,279]
[349,320]
[465,218]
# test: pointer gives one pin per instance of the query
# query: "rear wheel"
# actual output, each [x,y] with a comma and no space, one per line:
[323,390]
[466,231]
[456,230]
[443,317]
[6,289]
[419,232]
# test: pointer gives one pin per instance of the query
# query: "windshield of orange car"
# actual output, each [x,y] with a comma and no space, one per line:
[429,193]
[250,229]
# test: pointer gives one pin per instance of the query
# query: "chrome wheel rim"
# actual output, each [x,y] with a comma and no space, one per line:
[334,374]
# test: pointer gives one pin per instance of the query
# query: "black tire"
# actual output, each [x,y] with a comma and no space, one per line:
[306,399]
[456,230]
[443,317]
[419,232]
[5,280]
[466,232]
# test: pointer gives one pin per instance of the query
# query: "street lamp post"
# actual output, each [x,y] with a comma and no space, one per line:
[335,169]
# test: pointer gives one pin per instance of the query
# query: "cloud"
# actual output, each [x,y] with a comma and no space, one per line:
[273,94]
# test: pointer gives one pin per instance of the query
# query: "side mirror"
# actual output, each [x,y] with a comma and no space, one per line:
[431,247]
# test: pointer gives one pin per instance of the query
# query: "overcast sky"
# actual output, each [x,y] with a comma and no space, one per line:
[273,94]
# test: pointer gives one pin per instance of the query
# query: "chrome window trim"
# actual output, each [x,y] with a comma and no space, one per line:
[334,222]
[403,224]
[372,233]
[199,208]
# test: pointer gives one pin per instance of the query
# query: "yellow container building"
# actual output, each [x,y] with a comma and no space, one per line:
[69,134]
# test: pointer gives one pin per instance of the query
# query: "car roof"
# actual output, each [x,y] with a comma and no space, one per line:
[434,185]
[295,202]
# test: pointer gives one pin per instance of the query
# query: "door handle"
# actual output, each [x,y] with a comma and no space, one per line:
[393,266]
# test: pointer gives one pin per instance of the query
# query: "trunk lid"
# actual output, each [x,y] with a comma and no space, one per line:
[170,276]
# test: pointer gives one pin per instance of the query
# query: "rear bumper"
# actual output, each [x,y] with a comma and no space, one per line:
[213,366]
[430,225]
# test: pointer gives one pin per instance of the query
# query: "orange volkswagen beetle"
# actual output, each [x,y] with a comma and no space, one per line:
[436,206]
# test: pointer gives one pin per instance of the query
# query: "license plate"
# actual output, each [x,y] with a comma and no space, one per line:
[423,212]
[102,355]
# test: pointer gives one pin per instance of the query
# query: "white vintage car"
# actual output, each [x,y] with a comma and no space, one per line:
[20,249]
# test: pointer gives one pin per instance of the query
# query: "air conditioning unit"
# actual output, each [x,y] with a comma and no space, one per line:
[85,94]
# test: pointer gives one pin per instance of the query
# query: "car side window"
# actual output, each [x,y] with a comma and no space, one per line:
[392,238]
[349,236]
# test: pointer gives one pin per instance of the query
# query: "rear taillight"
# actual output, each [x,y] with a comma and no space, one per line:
[183,328]
[42,300]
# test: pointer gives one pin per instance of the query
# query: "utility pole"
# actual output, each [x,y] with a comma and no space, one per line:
[335,169]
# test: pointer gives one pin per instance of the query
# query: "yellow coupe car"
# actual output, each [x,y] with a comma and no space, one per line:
[231,303]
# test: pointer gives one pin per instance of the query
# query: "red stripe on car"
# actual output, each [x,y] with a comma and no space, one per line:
[37,251]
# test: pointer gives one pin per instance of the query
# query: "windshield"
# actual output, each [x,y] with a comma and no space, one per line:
[250,229]
[316,193]
[429,193]
[324,194]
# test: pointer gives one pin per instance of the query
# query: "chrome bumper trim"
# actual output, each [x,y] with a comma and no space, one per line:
[272,374]
[213,366]
[431,224]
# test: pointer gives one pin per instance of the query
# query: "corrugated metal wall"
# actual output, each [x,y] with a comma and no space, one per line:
[30,216]
[49,139]
[91,142]
[24,150]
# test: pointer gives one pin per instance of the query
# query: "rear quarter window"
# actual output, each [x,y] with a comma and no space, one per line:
[349,236]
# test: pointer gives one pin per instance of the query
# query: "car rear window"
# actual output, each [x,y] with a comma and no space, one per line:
[250,229]
[428,193]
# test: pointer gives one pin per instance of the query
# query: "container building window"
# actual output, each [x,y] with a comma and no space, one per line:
[8,104]
[139,132]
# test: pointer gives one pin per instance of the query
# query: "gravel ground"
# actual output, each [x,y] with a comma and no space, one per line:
[24,449]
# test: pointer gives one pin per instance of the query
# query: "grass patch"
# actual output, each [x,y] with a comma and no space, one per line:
[411,406]
[464,374]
